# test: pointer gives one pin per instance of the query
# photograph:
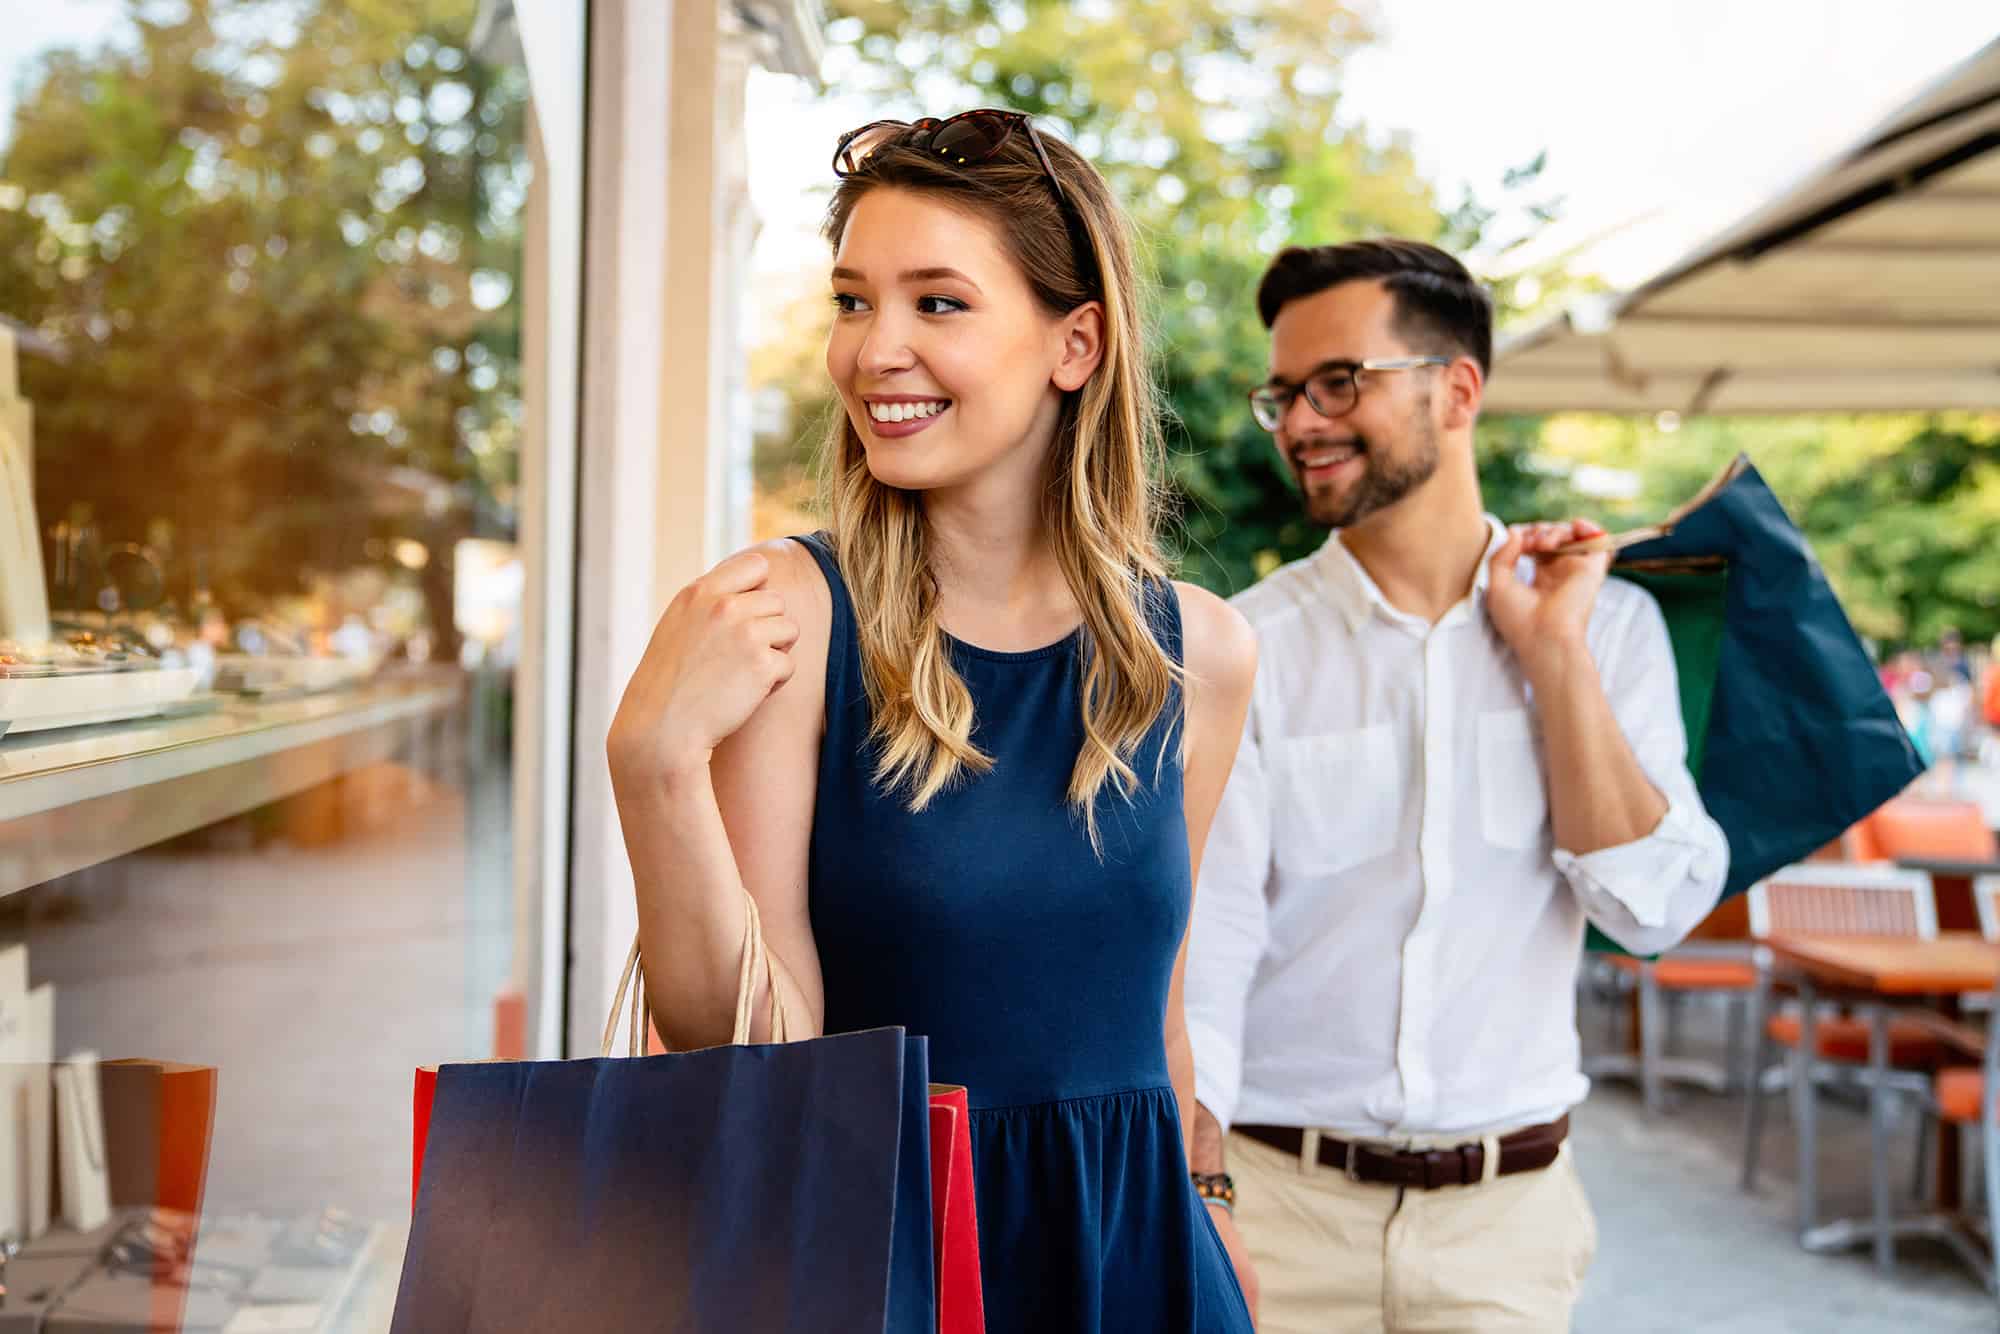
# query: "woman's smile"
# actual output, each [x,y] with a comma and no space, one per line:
[892,416]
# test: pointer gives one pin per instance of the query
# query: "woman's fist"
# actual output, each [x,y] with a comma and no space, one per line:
[720,649]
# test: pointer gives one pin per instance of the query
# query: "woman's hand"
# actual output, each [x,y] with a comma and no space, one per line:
[1239,1257]
[720,649]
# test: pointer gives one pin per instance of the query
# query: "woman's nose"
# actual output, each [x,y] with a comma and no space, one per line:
[885,347]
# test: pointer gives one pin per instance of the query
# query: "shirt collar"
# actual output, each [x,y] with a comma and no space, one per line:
[1356,596]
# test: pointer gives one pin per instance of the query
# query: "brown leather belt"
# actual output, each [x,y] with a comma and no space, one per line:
[1527,1150]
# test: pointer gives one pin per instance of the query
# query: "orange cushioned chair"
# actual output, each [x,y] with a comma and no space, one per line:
[1967,1098]
[1715,962]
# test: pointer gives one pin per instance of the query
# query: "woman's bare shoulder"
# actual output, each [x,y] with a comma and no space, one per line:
[1217,644]
[796,577]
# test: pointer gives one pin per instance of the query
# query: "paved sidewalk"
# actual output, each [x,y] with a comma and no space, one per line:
[1681,1249]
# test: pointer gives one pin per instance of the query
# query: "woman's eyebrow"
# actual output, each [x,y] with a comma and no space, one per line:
[912,276]
[936,275]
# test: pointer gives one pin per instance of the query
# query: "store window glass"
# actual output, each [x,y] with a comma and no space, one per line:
[262,427]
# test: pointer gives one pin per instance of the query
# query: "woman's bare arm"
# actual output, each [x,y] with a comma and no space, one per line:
[1220,654]
[701,821]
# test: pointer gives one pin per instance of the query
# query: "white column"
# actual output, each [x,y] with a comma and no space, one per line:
[693,483]
[735,232]
[621,519]
[547,36]
[665,489]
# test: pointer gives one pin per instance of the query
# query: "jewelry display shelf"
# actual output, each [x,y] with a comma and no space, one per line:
[75,699]
[80,796]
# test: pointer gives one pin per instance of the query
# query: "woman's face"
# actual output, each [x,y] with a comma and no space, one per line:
[947,365]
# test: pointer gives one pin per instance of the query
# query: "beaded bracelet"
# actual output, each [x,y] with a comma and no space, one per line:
[1215,1188]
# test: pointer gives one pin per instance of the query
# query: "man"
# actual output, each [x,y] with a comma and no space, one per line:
[1461,748]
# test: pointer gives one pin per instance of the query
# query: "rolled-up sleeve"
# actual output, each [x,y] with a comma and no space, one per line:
[1230,929]
[1648,894]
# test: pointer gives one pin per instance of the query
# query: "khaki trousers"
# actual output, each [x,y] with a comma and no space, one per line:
[1334,1255]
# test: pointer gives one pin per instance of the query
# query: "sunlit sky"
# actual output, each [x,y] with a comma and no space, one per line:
[29,27]
[1663,121]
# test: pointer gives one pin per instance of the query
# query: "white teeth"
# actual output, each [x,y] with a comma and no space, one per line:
[902,412]
[1327,458]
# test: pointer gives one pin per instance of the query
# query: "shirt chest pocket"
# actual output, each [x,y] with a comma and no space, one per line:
[1337,799]
[1513,785]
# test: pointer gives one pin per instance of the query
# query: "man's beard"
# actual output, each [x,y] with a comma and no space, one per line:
[1384,481]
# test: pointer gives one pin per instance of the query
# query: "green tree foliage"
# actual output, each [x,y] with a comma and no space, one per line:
[272,244]
[1901,510]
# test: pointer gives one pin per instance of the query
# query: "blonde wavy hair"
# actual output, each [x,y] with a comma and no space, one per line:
[1101,505]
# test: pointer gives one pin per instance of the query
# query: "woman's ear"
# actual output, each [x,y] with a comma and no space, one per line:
[1082,333]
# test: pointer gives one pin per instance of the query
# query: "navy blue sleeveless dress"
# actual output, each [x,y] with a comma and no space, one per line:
[1040,974]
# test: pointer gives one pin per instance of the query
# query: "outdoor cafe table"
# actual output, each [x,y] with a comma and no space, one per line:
[1873,973]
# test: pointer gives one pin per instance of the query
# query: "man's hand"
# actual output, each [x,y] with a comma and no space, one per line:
[1544,622]
[1239,1257]
[1599,796]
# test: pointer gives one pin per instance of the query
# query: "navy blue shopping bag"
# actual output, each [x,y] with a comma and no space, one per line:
[1791,738]
[1799,740]
[782,1187]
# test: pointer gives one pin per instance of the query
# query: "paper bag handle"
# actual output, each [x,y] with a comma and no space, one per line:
[756,958]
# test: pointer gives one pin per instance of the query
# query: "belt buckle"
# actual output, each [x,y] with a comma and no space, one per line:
[1353,1168]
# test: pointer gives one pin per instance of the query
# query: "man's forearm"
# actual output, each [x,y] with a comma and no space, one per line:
[1206,1152]
[1599,796]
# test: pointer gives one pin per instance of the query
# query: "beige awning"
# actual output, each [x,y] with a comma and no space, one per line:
[1873,285]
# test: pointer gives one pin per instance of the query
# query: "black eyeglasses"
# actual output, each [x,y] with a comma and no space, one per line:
[1333,389]
[966,139]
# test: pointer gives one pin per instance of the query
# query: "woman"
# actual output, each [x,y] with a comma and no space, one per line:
[949,746]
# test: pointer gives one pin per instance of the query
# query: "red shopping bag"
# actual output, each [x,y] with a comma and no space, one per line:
[954,1221]
[420,1125]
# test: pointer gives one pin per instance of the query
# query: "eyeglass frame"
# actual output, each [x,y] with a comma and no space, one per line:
[1354,368]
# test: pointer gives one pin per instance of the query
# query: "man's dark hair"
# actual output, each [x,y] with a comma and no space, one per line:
[1440,308]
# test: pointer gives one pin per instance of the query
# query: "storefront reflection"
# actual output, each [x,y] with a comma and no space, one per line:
[261,427]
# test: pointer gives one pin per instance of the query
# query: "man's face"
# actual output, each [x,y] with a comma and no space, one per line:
[1368,458]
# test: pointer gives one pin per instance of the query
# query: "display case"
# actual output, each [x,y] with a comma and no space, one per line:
[276,441]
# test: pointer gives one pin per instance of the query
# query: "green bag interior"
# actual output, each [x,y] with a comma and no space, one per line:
[1694,602]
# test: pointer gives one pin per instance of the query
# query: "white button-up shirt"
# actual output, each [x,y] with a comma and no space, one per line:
[1385,937]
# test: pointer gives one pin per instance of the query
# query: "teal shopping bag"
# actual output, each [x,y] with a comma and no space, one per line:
[1791,737]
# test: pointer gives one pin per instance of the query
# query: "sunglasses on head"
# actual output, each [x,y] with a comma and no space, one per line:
[964,140]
